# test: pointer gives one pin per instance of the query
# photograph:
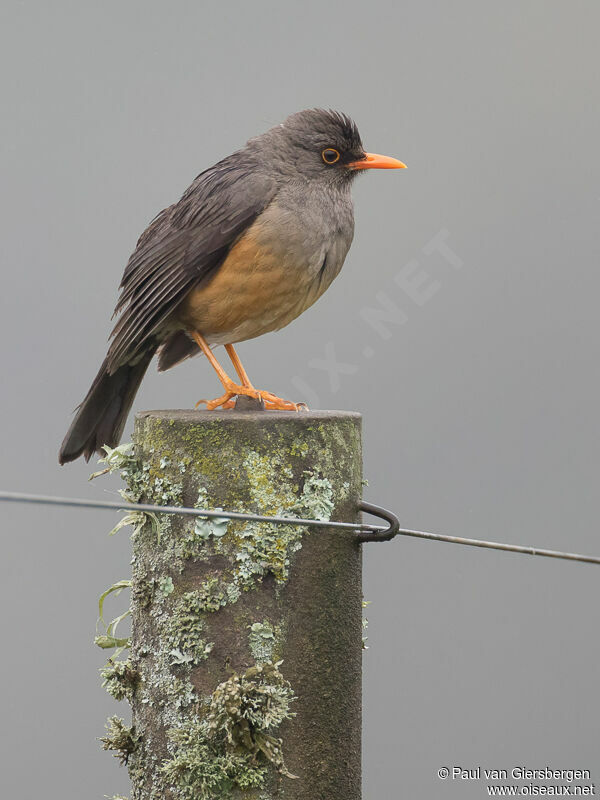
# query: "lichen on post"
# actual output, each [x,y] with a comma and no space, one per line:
[244,671]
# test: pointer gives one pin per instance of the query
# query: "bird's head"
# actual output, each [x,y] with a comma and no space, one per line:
[320,144]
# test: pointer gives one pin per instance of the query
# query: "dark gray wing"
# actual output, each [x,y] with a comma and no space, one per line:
[183,246]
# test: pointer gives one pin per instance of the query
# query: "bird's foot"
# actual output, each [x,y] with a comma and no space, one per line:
[232,390]
[275,403]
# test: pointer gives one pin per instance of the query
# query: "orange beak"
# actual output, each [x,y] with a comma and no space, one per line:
[374,161]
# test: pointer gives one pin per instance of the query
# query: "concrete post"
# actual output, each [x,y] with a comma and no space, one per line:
[246,644]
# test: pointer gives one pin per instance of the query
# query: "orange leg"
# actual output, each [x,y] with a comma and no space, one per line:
[232,389]
[238,366]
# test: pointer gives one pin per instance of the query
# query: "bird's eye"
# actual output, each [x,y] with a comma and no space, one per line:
[330,155]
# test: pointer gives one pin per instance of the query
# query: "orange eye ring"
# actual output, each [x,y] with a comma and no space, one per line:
[330,155]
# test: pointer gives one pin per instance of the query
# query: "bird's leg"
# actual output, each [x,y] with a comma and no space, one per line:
[233,389]
[238,366]
[270,400]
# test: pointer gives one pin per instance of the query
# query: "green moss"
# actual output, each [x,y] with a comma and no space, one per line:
[299,449]
[120,738]
[120,679]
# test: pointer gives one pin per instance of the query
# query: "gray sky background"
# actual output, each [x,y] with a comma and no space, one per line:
[480,410]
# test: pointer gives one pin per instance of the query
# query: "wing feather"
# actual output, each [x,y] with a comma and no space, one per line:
[183,246]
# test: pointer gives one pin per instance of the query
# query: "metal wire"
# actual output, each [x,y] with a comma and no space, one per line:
[362,528]
[17,497]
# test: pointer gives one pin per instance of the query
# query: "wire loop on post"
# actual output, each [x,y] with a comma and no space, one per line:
[385,535]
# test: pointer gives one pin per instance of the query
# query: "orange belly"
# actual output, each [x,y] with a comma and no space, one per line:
[254,291]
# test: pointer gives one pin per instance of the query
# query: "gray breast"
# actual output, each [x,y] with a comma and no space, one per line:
[316,226]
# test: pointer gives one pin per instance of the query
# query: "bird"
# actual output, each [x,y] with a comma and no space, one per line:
[253,242]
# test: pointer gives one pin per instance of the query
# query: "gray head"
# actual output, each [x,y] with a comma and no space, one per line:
[317,145]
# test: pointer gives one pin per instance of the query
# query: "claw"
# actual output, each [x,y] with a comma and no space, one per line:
[224,401]
[271,401]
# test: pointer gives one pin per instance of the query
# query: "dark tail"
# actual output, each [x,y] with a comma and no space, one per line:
[101,417]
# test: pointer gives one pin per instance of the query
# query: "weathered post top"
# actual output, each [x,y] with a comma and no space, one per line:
[247,636]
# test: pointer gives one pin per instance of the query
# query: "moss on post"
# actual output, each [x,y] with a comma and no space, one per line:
[245,664]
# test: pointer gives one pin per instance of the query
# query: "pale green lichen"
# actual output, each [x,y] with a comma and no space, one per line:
[115,458]
[120,738]
[165,493]
[210,595]
[233,592]
[231,747]
[120,679]
[263,639]
[262,548]
[193,542]
[269,495]
[316,499]
[180,693]
[257,549]
[165,587]
[201,769]
[166,684]
[185,630]
[248,709]
[142,592]
[205,527]
[142,482]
